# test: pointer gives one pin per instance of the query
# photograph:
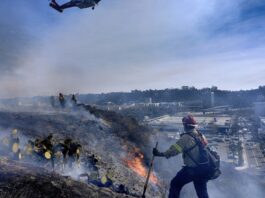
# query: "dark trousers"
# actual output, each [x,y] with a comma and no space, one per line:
[185,176]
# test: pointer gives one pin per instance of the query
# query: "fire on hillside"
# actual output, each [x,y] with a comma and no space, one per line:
[135,162]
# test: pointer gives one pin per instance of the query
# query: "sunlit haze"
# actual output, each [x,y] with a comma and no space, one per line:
[124,45]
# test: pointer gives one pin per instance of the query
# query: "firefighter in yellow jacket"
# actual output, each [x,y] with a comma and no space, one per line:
[12,142]
[192,171]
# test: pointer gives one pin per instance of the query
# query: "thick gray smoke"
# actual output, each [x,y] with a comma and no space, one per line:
[96,135]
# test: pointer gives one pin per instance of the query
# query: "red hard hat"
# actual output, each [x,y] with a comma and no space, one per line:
[189,120]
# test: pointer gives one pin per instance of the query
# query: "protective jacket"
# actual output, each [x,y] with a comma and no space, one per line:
[186,143]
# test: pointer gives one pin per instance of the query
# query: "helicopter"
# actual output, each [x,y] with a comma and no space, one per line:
[74,3]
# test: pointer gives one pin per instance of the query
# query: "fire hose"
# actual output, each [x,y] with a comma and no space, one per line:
[149,173]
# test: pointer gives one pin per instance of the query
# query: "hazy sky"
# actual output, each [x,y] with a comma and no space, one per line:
[127,44]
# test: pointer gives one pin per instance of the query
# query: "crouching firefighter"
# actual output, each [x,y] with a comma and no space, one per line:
[12,143]
[47,149]
[195,162]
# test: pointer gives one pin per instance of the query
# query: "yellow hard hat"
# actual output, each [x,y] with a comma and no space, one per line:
[77,151]
[14,132]
[15,147]
[48,155]
[104,179]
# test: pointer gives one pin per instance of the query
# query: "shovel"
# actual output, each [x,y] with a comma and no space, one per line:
[149,173]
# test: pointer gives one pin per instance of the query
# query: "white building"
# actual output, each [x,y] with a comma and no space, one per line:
[212,99]
[261,130]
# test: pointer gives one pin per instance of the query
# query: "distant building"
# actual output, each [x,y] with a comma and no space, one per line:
[148,100]
[259,108]
[215,124]
[212,99]
[261,131]
[206,124]
[262,123]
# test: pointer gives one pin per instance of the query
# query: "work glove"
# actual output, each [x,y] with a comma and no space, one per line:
[157,153]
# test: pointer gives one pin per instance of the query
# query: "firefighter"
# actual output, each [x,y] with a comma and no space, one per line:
[191,172]
[29,149]
[47,143]
[12,143]
[37,146]
[74,100]
[63,148]
[47,149]
[62,100]
[91,162]
[71,152]
[74,153]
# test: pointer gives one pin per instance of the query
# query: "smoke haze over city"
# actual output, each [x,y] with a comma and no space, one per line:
[123,45]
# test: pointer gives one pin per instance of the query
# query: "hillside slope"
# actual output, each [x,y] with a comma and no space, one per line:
[24,181]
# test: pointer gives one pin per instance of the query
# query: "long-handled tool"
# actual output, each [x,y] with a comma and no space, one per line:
[149,173]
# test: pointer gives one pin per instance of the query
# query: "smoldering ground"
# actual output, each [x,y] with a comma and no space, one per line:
[106,138]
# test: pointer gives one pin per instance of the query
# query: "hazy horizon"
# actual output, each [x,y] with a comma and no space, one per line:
[95,93]
[123,45]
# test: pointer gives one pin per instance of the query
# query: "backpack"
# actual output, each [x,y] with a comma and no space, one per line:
[208,158]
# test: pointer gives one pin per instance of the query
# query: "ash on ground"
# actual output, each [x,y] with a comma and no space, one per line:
[107,136]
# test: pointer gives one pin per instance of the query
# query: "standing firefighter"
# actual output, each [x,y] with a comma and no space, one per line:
[74,100]
[71,152]
[74,153]
[62,100]
[196,164]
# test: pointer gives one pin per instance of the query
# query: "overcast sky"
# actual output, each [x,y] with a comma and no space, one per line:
[126,44]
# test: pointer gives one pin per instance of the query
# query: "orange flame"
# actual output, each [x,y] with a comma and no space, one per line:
[135,162]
